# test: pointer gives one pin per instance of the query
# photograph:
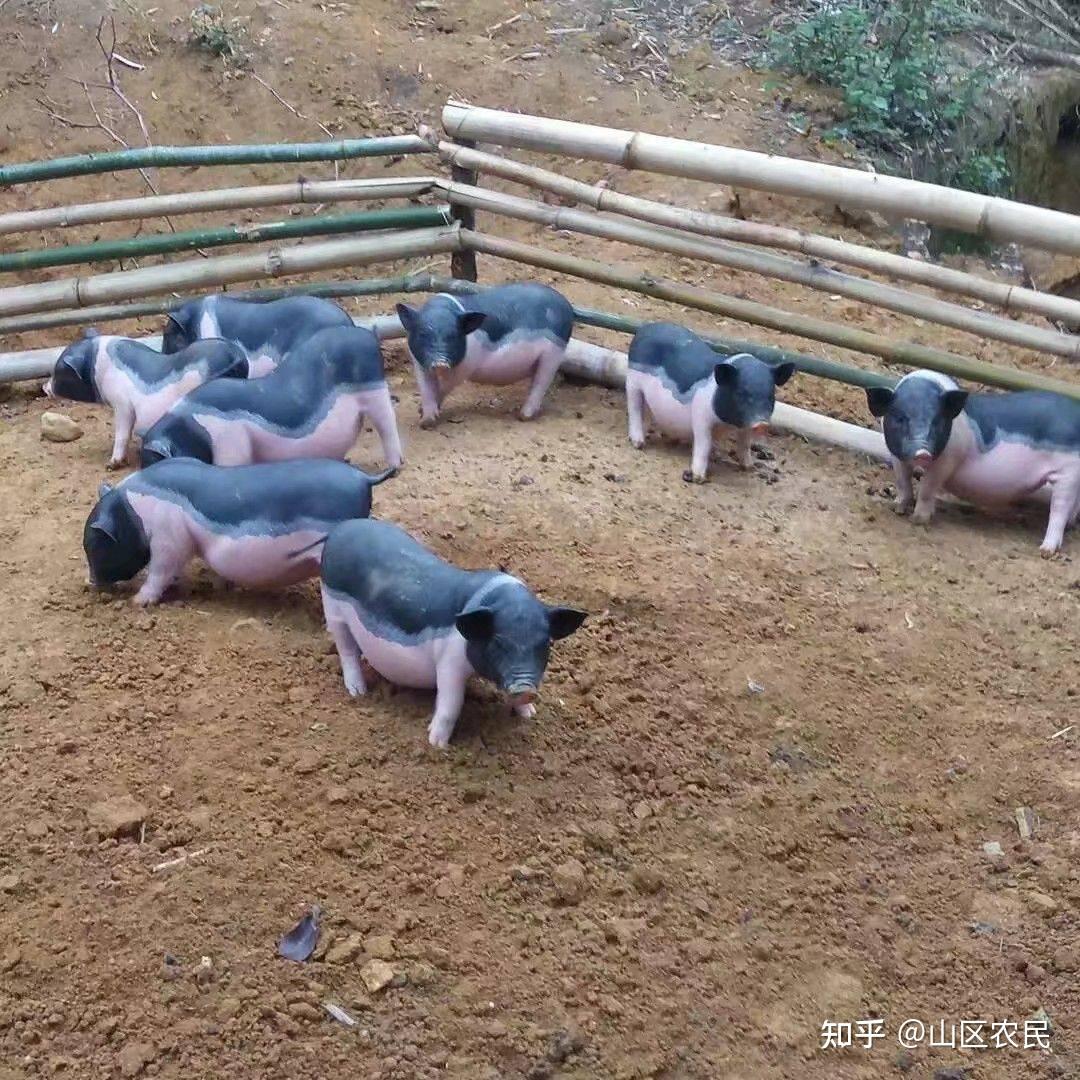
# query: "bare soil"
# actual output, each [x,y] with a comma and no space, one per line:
[671,873]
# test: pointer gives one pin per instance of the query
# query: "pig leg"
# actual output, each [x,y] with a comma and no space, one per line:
[168,557]
[635,414]
[430,398]
[905,487]
[349,655]
[703,439]
[933,482]
[451,674]
[124,424]
[1063,501]
[381,414]
[548,363]
[743,439]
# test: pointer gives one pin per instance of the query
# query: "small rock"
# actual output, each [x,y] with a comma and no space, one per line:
[699,950]
[473,793]
[1041,904]
[643,810]
[56,427]
[569,881]
[564,1044]
[904,1061]
[246,629]
[428,5]
[304,1010]
[647,880]
[444,889]
[10,960]
[337,842]
[37,830]
[601,836]
[1034,974]
[204,971]
[134,1058]
[9,883]
[343,952]
[380,947]
[338,794]
[623,931]
[119,816]
[421,974]
[993,851]
[1025,822]
[952,1072]
[1066,959]
[377,975]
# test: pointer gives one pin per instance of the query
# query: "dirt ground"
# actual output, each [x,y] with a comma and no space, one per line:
[758,789]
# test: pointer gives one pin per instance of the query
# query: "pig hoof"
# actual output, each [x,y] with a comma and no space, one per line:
[355,687]
[922,520]
[526,712]
[438,739]
[428,422]
[115,464]
[638,444]
[1048,552]
[692,478]
[902,508]
[525,417]
[139,600]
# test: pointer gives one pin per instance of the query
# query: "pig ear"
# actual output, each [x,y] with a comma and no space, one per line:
[878,399]
[106,528]
[91,332]
[476,625]
[724,373]
[953,402]
[470,321]
[782,372]
[564,621]
[104,490]
[408,316]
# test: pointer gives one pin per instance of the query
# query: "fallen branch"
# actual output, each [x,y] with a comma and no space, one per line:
[178,861]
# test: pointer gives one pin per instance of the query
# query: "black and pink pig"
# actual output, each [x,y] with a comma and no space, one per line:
[139,383]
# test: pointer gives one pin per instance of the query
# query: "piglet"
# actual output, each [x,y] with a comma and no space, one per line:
[266,331]
[988,449]
[690,390]
[139,383]
[313,405]
[255,525]
[497,337]
[421,622]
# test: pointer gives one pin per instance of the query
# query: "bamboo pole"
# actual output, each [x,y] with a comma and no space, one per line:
[1008,297]
[226,270]
[902,352]
[39,363]
[982,215]
[415,217]
[770,265]
[91,316]
[161,157]
[200,202]
[426,282]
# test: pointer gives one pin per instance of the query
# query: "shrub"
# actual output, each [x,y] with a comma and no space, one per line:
[210,30]
[907,96]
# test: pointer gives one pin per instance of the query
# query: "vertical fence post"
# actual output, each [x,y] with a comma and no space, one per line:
[463,263]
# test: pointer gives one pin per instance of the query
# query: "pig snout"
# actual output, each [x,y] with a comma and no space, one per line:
[760,428]
[522,694]
[923,458]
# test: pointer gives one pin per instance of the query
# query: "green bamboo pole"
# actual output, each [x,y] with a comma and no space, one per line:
[161,157]
[411,283]
[418,217]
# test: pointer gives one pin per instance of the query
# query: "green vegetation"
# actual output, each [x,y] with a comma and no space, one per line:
[211,31]
[908,97]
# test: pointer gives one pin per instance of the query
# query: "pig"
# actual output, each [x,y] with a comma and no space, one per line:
[988,449]
[253,524]
[420,622]
[690,390]
[267,331]
[497,337]
[138,382]
[312,405]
